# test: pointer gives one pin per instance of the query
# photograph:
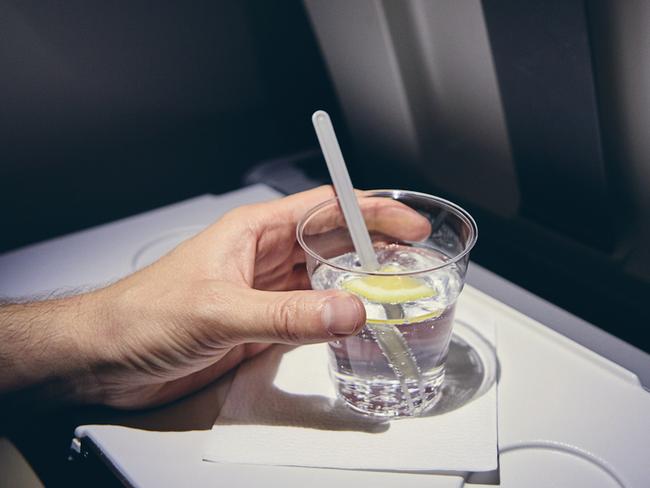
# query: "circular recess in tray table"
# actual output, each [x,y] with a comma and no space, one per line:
[161,245]
[549,463]
[470,371]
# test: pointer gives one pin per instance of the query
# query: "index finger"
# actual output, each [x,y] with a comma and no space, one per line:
[381,214]
[385,215]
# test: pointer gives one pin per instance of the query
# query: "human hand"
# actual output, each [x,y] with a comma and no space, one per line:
[215,300]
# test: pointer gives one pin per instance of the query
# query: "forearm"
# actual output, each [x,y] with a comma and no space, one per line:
[42,356]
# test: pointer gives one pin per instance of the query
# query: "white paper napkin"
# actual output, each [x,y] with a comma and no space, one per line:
[282,410]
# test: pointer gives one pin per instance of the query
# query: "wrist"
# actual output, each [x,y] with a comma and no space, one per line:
[91,347]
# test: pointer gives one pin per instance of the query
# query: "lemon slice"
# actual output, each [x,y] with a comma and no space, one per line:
[408,320]
[389,289]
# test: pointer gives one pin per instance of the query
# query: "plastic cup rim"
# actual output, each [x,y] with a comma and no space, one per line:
[394,194]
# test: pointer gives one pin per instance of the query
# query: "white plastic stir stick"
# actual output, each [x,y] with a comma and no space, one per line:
[388,337]
[329,144]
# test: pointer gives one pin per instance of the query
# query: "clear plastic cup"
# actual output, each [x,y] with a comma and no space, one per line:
[396,364]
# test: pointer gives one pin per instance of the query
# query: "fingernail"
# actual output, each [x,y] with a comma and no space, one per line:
[342,315]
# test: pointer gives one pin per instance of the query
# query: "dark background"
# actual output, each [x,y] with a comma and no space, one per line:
[110,109]
[113,108]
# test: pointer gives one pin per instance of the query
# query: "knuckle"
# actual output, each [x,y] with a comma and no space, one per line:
[232,216]
[285,314]
[244,218]
[237,211]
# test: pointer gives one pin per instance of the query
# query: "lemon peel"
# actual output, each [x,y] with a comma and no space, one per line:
[389,289]
[407,320]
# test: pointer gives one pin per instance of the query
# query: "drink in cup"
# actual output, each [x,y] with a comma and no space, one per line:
[396,364]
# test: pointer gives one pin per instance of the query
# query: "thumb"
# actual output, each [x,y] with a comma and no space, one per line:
[292,317]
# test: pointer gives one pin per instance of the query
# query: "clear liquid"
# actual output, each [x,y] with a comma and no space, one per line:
[364,374]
